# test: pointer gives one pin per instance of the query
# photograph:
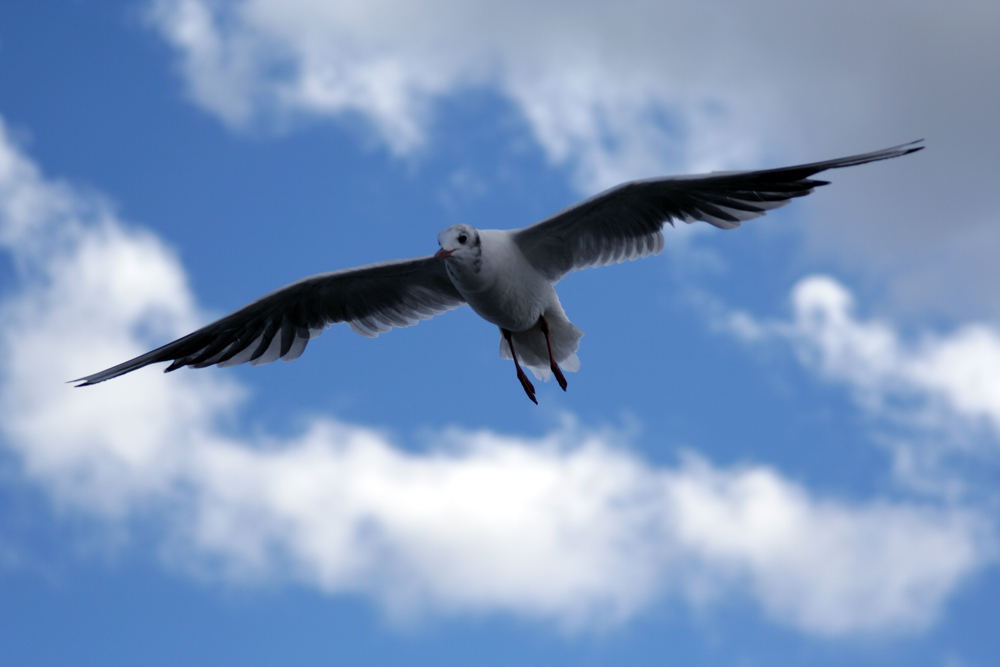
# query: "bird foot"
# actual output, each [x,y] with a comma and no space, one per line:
[529,388]
[560,378]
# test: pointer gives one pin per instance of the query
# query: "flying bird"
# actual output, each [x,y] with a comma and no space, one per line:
[507,276]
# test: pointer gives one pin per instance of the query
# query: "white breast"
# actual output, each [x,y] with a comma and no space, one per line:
[506,290]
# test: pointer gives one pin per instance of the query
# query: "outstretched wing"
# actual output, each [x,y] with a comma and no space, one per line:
[625,222]
[371,299]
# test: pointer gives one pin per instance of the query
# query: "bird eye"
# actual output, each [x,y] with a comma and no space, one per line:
[462,238]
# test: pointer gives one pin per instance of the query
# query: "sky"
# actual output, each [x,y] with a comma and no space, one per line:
[782,446]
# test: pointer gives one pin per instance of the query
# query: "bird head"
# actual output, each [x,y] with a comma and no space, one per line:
[460,242]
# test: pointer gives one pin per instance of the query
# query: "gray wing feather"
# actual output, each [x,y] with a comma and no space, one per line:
[625,222]
[371,299]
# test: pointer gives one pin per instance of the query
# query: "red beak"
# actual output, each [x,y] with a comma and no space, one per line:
[442,253]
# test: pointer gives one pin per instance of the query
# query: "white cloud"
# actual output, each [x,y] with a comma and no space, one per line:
[391,62]
[938,391]
[955,372]
[634,89]
[569,527]
[825,566]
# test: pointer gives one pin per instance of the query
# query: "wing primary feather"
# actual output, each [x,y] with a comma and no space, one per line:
[371,299]
[287,336]
[265,342]
[601,229]
[297,348]
[208,355]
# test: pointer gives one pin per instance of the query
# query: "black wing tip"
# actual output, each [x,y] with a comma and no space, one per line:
[852,160]
[886,153]
[95,378]
[909,147]
[112,372]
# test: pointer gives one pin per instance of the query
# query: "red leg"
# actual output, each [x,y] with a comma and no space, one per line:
[529,388]
[560,378]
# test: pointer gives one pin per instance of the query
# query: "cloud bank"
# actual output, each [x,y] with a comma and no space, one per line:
[937,391]
[955,371]
[570,528]
[637,89]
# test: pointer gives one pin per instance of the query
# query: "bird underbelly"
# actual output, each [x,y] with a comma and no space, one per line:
[512,309]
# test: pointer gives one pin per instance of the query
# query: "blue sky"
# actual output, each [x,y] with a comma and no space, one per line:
[783,443]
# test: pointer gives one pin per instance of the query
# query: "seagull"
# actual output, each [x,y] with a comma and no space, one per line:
[507,276]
